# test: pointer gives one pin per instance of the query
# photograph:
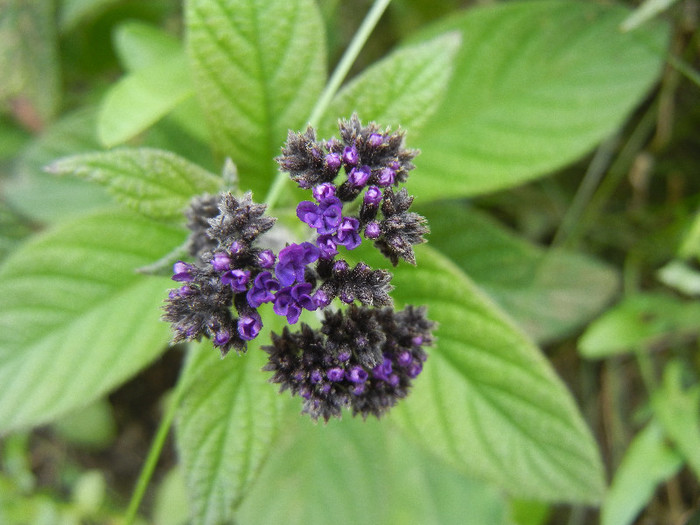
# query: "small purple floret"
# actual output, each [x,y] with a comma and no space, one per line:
[291,300]
[221,262]
[316,377]
[222,337]
[325,217]
[386,177]
[405,358]
[326,245]
[323,191]
[372,230]
[266,259]
[341,266]
[343,356]
[350,156]
[293,260]
[237,279]
[261,291]
[321,299]
[358,177]
[249,326]
[236,247]
[182,272]
[373,196]
[375,140]
[333,161]
[357,374]
[348,234]
[335,374]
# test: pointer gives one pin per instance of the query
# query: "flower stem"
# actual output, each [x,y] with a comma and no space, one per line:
[341,71]
[154,452]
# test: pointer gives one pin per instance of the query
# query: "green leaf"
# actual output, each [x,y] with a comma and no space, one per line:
[76,320]
[75,12]
[259,68]
[226,426]
[549,293]
[354,471]
[140,45]
[29,60]
[537,84]
[156,183]
[487,401]
[46,198]
[403,89]
[648,461]
[681,276]
[640,321]
[676,408]
[13,229]
[142,98]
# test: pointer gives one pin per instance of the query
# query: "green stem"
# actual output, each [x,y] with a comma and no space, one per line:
[154,453]
[341,71]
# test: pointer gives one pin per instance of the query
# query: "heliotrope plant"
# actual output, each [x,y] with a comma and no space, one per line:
[363,357]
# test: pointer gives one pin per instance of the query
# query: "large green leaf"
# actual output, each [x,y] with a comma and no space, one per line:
[44,197]
[536,85]
[648,461]
[142,98]
[259,68]
[140,45]
[487,401]
[403,89]
[76,319]
[354,471]
[29,60]
[156,183]
[226,426]
[549,293]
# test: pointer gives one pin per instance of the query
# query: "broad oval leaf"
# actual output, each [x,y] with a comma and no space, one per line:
[487,401]
[549,293]
[76,320]
[353,471]
[142,98]
[536,85]
[225,429]
[259,68]
[403,89]
[156,183]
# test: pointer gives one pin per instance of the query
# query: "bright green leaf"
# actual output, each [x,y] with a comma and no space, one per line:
[226,426]
[142,98]
[487,401]
[29,62]
[681,276]
[140,45]
[676,408]
[648,461]
[156,183]
[353,471]
[46,198]
[74,12]
[549,293]
[13,229]
[260,67]
[638,322]
[403,89]
[76,320]
[536,85]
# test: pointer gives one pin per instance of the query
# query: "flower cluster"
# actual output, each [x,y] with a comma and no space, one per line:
[365,357]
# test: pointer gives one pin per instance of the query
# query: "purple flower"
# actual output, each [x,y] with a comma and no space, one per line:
[323,191]
[326,245]
[373,196]
[358,177]
[261,291]
[350,156]
[221,262]
[266,259]
[182,271]
[222,337]
[375,140]
[236,247]
[341,266]
[325,217]
[321,299]
[383,370]
[293,260]
[386,177]
[237,279]
[348,234]
[372,230]
[357,374]
[405,358]
[335,374]
[291,300]
[333,161]
[249,326]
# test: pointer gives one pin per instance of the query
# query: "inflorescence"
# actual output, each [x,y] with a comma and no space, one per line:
[363,357]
